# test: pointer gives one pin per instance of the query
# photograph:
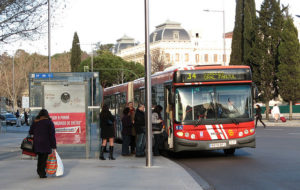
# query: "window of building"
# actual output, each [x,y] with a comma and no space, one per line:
[168,57]
[206,57]
[224,57]
[186,57]
[215,58]
[177,57]
[176,35]
[197,58]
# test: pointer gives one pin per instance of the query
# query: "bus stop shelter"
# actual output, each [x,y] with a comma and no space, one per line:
[73,102]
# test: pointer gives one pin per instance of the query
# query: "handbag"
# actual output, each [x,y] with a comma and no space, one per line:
[157,127]
[51,165]
[27,144]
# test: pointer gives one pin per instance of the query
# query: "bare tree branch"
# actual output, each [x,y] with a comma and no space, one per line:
[24,19]
[158,60]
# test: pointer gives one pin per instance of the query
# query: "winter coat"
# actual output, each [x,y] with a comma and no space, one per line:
[43,132]
[139,122]
[107,126]
[127,125]
[258,112]
[275,110]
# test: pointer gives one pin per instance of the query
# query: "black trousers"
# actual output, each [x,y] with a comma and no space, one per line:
[132,143]
[259,118]
[41,164]
[157,138]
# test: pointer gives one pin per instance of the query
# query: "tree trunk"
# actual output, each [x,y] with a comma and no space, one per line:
[267,110]
[291,110]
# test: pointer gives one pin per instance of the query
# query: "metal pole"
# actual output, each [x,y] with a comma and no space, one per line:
[148,88]
[13,82]
[92,68]
[49,38]
[224,41]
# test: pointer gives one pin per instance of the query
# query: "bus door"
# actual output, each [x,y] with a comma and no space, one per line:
[168,119]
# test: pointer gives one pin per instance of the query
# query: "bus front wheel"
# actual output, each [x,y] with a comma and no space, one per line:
[230,151]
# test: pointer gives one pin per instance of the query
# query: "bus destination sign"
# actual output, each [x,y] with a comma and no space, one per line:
[213,75]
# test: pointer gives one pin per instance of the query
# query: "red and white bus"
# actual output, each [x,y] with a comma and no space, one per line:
[205,107]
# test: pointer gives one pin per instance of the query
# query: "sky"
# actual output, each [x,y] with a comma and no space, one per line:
[105,21]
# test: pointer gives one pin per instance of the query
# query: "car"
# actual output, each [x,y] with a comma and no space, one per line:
[2,117]
[10,119]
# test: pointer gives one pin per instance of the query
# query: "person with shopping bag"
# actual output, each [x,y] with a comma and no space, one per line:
[44,141]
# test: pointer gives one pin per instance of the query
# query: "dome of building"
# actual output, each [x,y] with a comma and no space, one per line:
[169,31]
[123,43]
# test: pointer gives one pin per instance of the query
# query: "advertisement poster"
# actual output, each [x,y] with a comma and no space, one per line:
[66,107]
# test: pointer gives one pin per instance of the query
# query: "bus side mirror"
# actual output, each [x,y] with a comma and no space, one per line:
[254,91]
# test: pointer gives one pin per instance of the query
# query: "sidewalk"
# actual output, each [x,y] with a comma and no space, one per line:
[288,123]
[122,173]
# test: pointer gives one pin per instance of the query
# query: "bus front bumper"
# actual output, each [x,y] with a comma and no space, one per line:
[190,145]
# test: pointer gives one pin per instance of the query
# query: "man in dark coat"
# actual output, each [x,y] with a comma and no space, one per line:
[126,131]
[44,141]
[139,125]
[26,117]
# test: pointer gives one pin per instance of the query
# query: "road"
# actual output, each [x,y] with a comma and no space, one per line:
[273,165]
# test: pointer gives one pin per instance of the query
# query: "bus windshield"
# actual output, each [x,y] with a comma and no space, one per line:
[208,103]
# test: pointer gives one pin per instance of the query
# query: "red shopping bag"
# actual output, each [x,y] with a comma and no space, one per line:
[51,163]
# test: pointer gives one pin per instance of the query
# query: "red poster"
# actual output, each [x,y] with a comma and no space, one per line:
[70,128]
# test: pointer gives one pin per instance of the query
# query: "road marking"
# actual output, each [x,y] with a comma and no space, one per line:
[274,129]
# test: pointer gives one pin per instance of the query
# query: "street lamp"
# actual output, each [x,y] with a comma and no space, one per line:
[13,82]
[224,42]
[49,37]
[92,48]
[92,70]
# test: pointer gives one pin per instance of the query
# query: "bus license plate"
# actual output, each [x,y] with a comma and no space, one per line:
[217,145]
[232,142]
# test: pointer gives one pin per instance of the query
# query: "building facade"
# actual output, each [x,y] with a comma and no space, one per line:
[177,47]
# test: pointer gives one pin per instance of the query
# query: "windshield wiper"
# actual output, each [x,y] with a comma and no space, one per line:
[198,122]
[234,121]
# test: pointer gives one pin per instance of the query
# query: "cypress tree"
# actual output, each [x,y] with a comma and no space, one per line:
[265,51]
[243,33]
[263,65]
[289,64]
[75,54]
[249,31]
[236,44]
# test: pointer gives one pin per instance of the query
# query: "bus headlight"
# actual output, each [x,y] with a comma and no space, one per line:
[180,133]
[193,136]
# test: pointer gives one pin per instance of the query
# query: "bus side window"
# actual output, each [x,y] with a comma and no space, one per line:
[160,98]
[142,98]
[154,94]
[136,98]
[118,104]
[122,102]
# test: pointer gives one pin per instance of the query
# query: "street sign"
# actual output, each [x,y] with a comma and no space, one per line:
[43,75]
